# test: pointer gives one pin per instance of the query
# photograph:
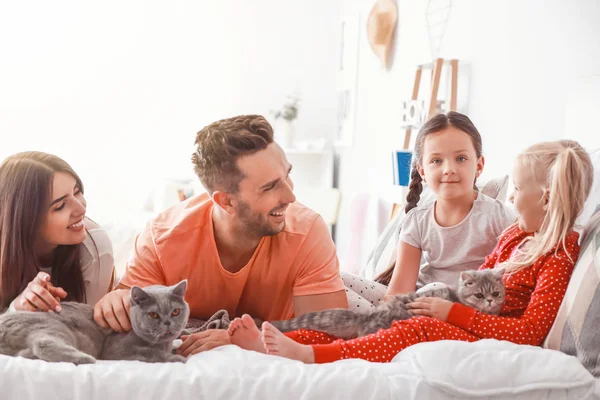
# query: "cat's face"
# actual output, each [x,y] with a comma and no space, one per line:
[482,290]
[159,313]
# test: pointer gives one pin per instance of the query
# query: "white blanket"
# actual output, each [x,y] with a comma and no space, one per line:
[441,370]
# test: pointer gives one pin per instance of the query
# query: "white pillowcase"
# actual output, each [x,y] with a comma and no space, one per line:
[490,368]
[594,197]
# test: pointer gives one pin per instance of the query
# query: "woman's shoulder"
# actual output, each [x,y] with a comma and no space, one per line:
[96,249]
[97,262]
[97,242]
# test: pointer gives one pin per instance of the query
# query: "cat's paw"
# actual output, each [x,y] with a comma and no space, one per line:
[177,358]
[84,359]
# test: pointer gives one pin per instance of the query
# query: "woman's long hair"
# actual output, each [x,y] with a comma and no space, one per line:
[26,181]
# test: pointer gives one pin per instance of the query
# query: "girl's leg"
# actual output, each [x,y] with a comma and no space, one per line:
[357,303]
[363,294]
[383,345]
[305,336]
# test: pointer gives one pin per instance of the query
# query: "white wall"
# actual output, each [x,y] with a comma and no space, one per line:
[119,88]
[519,61]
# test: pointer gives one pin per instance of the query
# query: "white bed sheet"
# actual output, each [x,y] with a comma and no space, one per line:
[442,370]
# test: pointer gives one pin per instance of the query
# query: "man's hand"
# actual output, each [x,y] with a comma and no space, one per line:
[202,341]
[40,295]
[112,310]
[431,307]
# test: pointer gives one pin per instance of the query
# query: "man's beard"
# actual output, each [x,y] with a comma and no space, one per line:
[254,223]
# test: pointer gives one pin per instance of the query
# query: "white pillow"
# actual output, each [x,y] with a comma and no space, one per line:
[496,188]
[492,367]
[594,197]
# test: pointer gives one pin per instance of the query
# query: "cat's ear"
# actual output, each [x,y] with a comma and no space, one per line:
[179,289]
[467,274]
[138,296]
[499,272]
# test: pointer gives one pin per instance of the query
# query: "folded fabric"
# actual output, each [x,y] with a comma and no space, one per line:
[220,320]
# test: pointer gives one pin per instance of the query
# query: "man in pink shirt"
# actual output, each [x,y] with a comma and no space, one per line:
[246,246]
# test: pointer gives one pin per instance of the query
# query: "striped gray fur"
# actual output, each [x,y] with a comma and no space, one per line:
[483,290]
[71,335]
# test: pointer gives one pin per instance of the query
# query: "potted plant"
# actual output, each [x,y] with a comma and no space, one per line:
[284,131]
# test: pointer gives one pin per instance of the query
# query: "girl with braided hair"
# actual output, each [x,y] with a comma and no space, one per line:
[456,231]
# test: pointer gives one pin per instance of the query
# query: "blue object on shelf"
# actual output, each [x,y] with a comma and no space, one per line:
[401,162]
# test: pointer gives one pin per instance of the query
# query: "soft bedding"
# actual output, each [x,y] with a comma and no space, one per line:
[440,370]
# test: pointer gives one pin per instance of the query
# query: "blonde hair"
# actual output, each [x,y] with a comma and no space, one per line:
[564,171]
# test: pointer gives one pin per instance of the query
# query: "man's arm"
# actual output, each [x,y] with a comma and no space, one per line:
[143,269]
[318,285]
[319,302]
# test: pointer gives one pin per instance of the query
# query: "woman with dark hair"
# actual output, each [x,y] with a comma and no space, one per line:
[49,250]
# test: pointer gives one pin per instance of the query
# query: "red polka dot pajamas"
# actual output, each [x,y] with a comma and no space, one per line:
[533,296]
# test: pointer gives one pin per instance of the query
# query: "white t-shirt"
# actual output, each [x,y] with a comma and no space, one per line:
[447,251]
[97,264]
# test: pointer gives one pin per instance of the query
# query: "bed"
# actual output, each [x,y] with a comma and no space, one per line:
[488,369]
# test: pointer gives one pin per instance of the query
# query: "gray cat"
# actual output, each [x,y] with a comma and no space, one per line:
[482,290]
[158,315]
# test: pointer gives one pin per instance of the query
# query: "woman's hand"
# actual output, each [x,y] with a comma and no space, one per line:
[431,307]
[40,295]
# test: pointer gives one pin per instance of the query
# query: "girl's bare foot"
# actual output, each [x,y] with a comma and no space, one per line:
[278,344]
[244,333]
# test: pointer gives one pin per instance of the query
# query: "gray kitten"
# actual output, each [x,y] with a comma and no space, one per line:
[482,290]
[158,315]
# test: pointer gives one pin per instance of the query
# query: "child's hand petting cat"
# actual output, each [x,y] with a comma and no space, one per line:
[431,307]
[202,341]
[40,295]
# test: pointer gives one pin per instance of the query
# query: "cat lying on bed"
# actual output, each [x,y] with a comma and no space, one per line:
[482,290]
[158,315]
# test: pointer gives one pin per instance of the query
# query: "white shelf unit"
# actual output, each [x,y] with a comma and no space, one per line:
[311,168]
[312,174]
